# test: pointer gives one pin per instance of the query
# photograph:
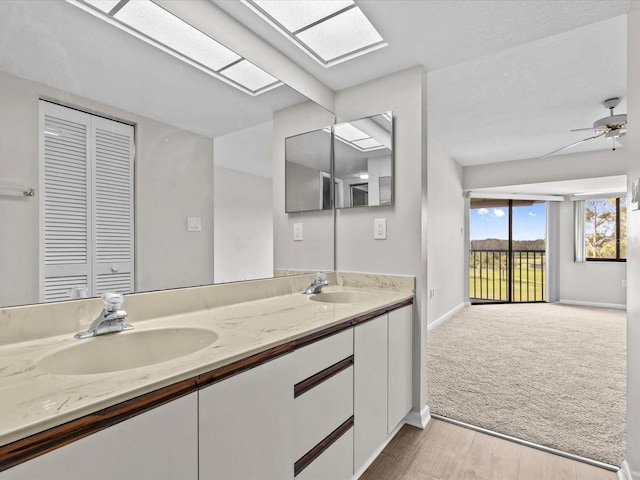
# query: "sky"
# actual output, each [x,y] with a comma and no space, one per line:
[528,222]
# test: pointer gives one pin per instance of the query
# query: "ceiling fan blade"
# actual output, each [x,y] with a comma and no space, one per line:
[583,129]
[572,145]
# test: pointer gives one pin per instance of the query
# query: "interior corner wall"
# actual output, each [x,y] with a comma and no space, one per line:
[243,204]
[404,93]
[316,250]
[243,226]
[589,283]
[446,233]
[633,244]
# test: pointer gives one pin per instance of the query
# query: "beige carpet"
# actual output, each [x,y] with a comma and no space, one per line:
[547,373]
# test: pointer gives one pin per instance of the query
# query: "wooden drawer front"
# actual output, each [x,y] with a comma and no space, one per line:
[336,462]
[322,354]
[319,411]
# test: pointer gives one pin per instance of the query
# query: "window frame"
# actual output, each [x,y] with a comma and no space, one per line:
[617,232]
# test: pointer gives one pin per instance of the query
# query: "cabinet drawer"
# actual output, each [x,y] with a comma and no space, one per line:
[313,358]
[336,462]
[319,411]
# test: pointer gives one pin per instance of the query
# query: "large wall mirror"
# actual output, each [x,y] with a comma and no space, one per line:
[200,188]
[308,171]
[363,167]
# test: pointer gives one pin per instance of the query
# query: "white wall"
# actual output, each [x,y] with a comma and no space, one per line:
[173,178]
[243,226]
[633,244]
[304,187]
[445,241]
[248,150]
[243,204]
[315,252]
[402,252]
[590,283]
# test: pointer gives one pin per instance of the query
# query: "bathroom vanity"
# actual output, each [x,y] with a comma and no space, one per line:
[267,384]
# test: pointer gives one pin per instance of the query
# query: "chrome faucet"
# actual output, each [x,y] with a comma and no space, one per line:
[317,284]
[110,320]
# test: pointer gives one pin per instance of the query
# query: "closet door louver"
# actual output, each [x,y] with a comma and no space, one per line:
[86,204]
[65,234]
[113,206]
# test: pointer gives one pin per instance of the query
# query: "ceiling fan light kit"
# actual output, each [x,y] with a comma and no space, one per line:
[611,127]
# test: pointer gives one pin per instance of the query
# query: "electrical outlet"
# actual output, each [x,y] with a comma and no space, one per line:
[380,229]
[623,283]
[297,232]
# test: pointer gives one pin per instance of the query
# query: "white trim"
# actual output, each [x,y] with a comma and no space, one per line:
[618,306]
[377,452]
[446,316]
[418,419]
[597,196]
[513,196]
[625,472]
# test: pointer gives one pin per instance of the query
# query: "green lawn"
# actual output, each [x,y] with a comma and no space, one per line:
[487,284]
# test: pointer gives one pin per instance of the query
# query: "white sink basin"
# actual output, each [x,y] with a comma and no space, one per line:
[343,297]
[125,350]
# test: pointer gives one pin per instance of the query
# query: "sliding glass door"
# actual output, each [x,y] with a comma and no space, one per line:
[507,253]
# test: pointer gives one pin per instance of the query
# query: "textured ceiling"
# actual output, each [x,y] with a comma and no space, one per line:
[507,79]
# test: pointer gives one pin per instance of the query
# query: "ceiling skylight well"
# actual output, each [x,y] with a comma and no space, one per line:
[356,138]
[330,31]
[156,26]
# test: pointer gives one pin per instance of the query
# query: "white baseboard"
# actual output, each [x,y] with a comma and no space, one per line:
[446,316]
[592,304]
[418,419]
[625,472]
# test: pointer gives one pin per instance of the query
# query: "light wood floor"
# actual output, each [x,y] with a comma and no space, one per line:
[444,451]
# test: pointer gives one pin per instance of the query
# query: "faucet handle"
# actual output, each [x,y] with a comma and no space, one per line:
[112,301]
[322,278]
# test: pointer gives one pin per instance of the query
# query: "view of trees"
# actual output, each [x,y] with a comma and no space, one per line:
[500,244]
[601,226]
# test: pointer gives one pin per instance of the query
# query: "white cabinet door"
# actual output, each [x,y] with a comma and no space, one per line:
[246,425]
[400,365]
[161,444]
[370,389]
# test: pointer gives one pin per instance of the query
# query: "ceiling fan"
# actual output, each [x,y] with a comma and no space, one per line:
[612,127]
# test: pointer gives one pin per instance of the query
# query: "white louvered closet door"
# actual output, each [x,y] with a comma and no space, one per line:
[113,206]
[86,204]
[65,177]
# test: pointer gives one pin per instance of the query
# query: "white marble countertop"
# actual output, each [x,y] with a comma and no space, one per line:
[32,401]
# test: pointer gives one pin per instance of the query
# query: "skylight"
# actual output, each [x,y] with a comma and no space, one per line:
[356,138]
[330,31]
[160,28]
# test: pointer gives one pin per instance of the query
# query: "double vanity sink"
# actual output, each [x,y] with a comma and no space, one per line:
[46,382]
[140,348]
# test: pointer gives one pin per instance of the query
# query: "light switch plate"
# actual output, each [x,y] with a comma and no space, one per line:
[380,229]
[194,224]
[297,232]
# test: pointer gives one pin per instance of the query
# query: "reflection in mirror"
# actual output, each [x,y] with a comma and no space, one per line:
[308,171]
[363,156]
[202,187]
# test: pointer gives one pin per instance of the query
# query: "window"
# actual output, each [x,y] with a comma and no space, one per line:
[606,229]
